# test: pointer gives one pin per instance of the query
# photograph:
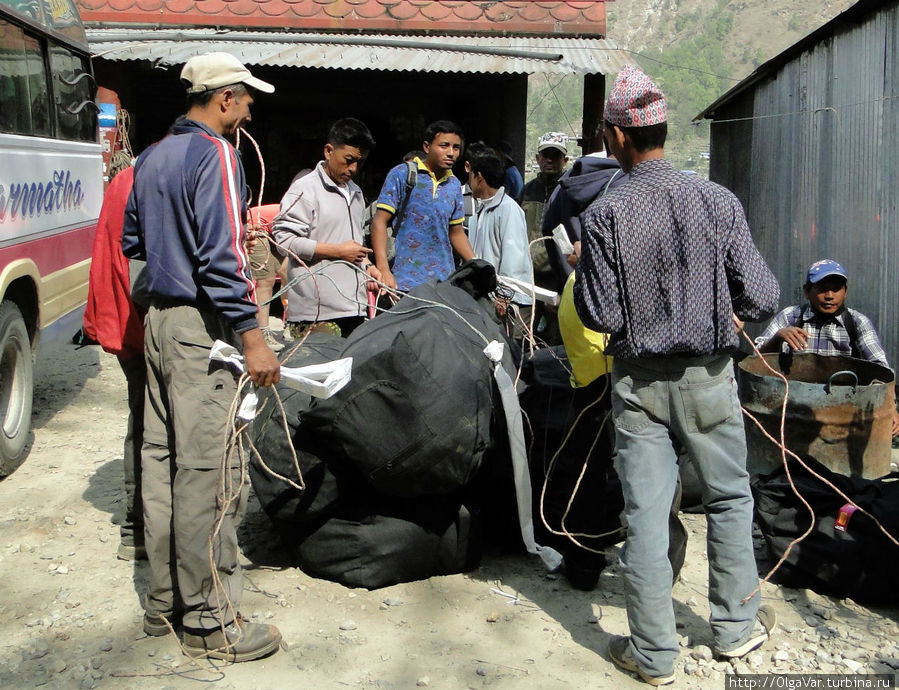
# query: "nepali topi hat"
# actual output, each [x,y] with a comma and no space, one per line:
[635,100]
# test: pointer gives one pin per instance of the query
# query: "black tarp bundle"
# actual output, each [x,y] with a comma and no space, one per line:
[407,468]
[416,417]
[846,554]
[391,461]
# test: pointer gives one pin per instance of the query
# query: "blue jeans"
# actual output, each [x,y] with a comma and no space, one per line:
[692,400]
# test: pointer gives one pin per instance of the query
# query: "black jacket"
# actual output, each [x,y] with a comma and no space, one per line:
[588,178]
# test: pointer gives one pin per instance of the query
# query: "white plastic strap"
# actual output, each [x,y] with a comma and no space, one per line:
[541,294]
[521,474]
[247,410]
[319,380]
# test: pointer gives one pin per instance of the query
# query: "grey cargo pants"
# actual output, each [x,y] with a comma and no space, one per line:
[186,418]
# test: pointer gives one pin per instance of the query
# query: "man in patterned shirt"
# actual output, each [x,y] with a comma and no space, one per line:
[668,263]
[824,325]
[427,219]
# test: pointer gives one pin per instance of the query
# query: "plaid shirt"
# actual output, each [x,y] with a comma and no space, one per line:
[667,260]
[828,334]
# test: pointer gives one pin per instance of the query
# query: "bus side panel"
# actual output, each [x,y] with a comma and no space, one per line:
[47,185]
[50,196]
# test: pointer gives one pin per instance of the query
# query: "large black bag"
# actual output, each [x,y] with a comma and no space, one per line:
[416,417]
[324,490]
[382,542]
[858,561]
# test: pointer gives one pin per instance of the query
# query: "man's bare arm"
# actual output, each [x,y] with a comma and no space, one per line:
[379,245]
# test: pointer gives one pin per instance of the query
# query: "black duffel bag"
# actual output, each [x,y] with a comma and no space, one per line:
[846,554]
[282,502]
[416,418]
[383,541]
[552,407]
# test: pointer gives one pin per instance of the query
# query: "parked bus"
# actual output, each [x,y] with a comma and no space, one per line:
[51,188]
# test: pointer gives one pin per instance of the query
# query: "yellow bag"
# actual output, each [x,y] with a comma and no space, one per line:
[585,347]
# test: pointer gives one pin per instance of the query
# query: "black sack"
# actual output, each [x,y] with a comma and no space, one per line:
[382,542]
[860,562]
[416,417]
[282,502]
[552,406]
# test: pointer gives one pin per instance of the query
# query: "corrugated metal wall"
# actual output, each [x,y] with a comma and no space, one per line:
[823,173]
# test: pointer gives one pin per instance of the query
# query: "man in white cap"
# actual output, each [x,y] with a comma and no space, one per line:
[667,262]
[552,155]
[186,217]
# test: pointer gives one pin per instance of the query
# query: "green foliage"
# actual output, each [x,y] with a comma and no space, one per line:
[693,73]
[555,104]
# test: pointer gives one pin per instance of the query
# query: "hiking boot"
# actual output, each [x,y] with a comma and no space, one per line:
[622,656]
[241,641]
[131,552]
[155,623]
[765,623]
[272,340]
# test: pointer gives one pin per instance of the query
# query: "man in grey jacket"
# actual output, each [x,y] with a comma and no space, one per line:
[498,231]
[320,226]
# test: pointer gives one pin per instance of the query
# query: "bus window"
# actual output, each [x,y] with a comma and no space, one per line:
[23,86]
[76,113]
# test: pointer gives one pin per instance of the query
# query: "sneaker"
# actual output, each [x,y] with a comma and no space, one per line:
[132,552]
[157,624]
[765,623]
[271,340]
[241,641]
[621,655]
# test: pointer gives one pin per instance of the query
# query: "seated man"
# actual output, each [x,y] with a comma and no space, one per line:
[824,326]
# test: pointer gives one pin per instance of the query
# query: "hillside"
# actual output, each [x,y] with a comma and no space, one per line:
[695,49]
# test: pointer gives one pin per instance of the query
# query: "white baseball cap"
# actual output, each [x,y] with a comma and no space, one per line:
[215,70]
[553,140]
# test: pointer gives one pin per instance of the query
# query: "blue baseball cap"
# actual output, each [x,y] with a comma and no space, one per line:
[819,270]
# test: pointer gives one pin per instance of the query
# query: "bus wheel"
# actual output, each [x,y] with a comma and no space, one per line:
[16,387]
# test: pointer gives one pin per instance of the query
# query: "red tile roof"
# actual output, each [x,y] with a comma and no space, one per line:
[566,18]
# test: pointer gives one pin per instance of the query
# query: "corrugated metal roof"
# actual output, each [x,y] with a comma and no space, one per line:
[468,54]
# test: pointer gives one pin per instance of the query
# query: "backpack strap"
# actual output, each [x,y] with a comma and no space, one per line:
[411,181]
[852,330]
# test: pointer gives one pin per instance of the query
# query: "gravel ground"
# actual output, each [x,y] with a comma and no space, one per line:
[70,612]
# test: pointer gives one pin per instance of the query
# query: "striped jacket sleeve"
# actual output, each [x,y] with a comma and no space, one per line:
[219,201]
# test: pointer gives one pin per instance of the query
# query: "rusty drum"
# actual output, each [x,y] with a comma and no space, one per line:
[840,411]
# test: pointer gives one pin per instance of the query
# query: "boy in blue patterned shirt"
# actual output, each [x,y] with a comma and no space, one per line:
[428,224]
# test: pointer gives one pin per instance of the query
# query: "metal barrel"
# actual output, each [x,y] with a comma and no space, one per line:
[839,411]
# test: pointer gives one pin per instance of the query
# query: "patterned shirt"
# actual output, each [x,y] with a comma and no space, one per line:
[666,260]
[828,334]
[423,249]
